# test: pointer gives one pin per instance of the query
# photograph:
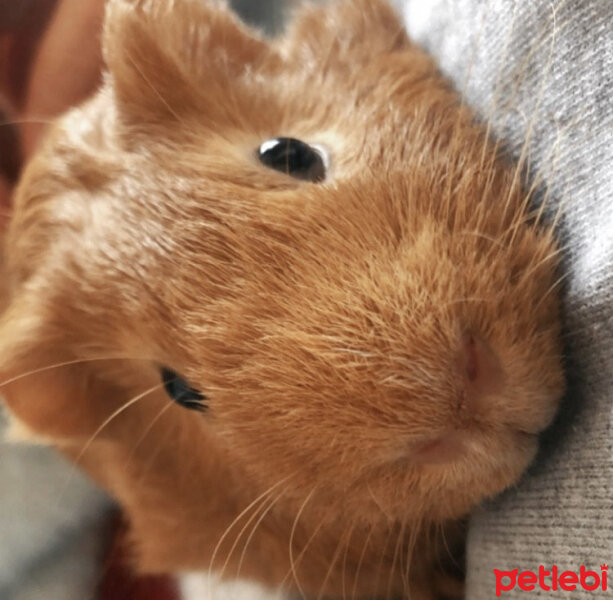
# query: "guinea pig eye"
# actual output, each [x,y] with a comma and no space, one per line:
[181,392]
[293,157]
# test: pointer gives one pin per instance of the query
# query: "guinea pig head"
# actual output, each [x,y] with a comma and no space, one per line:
[310,241]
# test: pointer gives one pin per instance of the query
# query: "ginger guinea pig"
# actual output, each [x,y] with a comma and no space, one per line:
[283,299]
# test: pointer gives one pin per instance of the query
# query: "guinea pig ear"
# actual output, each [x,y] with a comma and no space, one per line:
[351,31]
[167,56]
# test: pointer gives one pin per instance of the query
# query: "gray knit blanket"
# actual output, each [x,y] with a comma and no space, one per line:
[542,71]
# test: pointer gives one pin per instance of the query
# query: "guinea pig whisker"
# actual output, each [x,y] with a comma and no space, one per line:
[406,567]
[261,498]
[141,439]
[115,414]
[344,565]
[293,561]
[449,554]
[356,577]
[399,538]
[89,442]
[374,496]
[252,518]
[524,154]
[69,363]
[343,541]
[384,552]
[497,94]
[495,244]
[415,532]
[153,88]
[548,35]
[535,267]
[551,289]
[255,528]
[538,181]
[526,63]
[480,235]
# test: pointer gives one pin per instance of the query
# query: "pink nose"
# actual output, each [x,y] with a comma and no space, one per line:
[481,376]
[480,369]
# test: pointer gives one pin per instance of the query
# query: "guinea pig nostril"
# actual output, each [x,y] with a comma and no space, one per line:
[471,364]
[480,366]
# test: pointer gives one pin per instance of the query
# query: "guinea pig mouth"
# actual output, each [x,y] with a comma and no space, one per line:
[456,445]
[442,449]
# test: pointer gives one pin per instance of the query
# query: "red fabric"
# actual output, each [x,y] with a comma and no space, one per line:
[22,24]
[119,582]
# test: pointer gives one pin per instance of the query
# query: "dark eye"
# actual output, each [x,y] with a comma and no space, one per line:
[293,157]
[181,392]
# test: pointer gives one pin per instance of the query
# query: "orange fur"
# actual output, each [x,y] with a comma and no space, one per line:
[324,321]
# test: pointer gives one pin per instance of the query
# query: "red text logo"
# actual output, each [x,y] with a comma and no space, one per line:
[551,580]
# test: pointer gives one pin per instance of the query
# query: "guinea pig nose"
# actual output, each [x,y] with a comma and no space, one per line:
[480,368]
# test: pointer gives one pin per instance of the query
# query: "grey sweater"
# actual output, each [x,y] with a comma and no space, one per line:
[543,71]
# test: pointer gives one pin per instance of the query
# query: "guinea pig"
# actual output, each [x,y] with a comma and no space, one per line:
[283,299]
